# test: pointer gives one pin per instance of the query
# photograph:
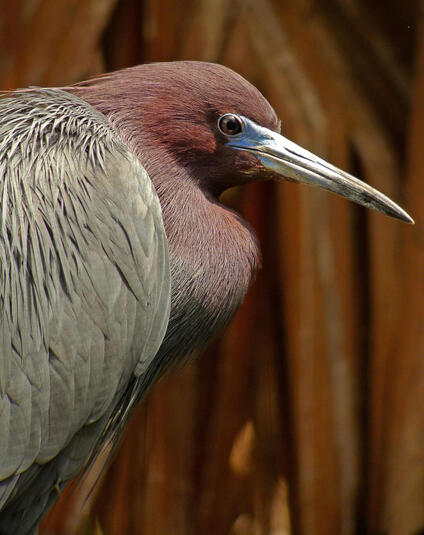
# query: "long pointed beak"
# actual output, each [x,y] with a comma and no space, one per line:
[290,160]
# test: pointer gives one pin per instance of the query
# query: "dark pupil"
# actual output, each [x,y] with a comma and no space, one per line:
[231,125]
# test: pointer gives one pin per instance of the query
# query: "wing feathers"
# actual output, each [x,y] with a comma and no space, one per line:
[84,284]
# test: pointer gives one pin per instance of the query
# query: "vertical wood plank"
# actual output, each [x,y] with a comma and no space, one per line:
[403,511]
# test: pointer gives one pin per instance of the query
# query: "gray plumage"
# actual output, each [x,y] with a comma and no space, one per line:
[81,240]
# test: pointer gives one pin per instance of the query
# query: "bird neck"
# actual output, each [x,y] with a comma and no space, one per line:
[213,258]
[206,235]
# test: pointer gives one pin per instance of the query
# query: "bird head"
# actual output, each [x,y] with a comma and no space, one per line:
[214,128]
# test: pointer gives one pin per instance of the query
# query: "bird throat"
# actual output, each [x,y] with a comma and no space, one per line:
[213,258]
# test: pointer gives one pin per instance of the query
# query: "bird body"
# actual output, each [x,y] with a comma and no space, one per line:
[84,291]
[116,257]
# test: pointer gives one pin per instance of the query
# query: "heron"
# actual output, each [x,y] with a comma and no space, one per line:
[117,258]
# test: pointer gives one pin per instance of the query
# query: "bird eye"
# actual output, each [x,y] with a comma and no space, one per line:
[230,124]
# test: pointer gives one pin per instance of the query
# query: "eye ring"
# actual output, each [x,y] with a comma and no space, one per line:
[230,124]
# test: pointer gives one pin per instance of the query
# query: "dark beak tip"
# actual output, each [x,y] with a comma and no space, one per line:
[404,217]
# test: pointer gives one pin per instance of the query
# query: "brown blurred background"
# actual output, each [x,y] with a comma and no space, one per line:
[307,417]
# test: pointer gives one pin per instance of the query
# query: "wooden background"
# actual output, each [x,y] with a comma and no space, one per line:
[307,416]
